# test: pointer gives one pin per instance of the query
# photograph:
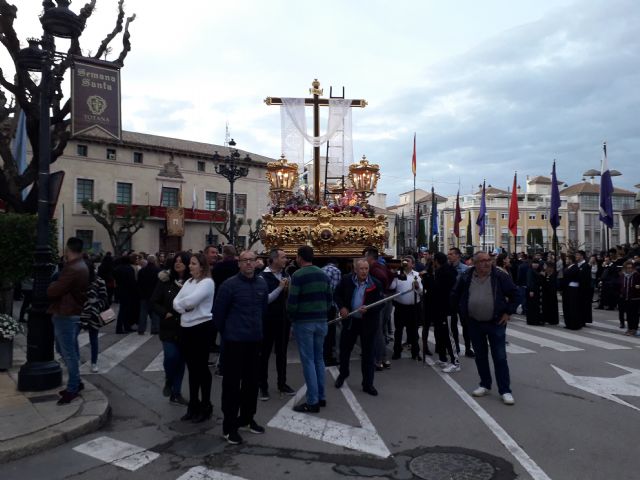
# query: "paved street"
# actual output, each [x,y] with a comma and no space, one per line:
[576,416]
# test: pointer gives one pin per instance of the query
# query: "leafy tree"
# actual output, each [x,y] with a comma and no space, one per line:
[120,228]
[17,246]
[24,93]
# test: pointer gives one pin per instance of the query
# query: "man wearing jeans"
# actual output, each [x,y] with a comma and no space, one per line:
[486,297]
[67,296]
[309,301]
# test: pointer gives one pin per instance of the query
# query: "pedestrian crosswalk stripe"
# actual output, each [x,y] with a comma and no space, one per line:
[605,326]
[117,352]
[121,454]
[543,342]
[511,348]
[156,364]
[202,473]
[616,336]
[576,338]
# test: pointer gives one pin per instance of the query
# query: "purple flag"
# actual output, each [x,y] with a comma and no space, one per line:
[480,221]
[554,214]
[606,192]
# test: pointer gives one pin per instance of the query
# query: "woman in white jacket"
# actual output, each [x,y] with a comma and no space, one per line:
[194,302]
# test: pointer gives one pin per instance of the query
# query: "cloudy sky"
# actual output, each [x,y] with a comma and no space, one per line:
[490,86]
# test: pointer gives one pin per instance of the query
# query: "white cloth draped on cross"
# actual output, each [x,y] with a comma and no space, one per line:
[338,133]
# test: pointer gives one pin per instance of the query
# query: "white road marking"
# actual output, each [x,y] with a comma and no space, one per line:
[604,325]
[616,336]
[576,338]
[117,352]
[511,348]
[608,388]
[156,364]
[202,473]
[511,445]
[122,454]
[363,439]
[543,342]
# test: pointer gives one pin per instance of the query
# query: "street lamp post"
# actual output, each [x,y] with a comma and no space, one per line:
[230,169]
[41,371]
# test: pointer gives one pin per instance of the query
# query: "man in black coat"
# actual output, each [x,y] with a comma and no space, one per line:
[354,293]
[147,280]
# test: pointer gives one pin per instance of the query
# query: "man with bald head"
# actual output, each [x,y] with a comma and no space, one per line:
[486,298]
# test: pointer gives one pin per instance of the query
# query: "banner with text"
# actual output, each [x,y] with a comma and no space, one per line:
[95,97]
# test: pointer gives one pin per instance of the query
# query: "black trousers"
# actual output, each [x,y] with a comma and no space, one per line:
[239,384]
[275,334]
[443,336]
[194,346]
[629,308]
[406,316]
[365,328]
[455,332]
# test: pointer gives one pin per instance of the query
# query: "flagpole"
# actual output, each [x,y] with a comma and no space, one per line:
[415,214]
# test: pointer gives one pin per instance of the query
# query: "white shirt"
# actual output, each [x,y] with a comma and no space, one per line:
[404,285]
[194,302]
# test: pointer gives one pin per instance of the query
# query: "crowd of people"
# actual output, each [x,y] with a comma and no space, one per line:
[255,306]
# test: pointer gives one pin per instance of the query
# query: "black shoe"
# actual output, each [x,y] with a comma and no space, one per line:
[395,356]
[166,390]
[322,403]
[66,397]
[386,365]
[370,390]
[379,367]
[80,388]
[339,381]
[205,414]
[192,413]
[469,353]
[264,395]
[286,390]
[306,408]
[177,400]
[253,427]
[233,438]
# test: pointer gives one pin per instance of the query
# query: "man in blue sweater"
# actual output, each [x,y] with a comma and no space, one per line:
[238,313]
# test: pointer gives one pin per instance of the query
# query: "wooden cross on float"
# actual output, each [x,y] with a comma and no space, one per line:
[316,102]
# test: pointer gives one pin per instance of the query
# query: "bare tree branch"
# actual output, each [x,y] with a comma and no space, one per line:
[116,30]
[126,42]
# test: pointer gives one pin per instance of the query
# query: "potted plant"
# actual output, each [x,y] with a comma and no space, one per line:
[9,328]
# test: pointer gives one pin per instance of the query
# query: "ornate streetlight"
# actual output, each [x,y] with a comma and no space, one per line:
[231,170]
[41,371]
[364,178]
[283,177]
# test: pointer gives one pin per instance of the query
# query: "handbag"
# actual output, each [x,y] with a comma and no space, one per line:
[107,316]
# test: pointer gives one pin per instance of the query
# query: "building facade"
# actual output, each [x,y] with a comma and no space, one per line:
[158,172]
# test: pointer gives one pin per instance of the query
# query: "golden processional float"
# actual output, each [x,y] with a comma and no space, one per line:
[339,223]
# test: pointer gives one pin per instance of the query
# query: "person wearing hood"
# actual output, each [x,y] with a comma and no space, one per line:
[170,282]
[630,296]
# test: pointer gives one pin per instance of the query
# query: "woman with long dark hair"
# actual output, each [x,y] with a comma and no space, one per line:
[170,282]
[194,303]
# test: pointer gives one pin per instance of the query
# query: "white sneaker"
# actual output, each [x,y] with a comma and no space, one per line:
[507,399]
[452,368]
[480,392]
[440,364]
[94,368]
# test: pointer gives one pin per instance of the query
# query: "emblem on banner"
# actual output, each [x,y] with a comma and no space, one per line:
[97,105]
[175,221]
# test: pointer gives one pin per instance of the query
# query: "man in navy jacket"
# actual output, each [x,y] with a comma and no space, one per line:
[487,297]
[355,292]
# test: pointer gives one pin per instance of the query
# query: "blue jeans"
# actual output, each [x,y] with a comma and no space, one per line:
[146,311]
[310,338]
[173,366]
[66,329]
[495,335]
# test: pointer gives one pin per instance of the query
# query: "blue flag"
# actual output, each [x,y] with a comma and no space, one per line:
[554,214]
[480,221]
[606,192]
[20,147]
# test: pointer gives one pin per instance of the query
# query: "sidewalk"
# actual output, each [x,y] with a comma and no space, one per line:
[31,421]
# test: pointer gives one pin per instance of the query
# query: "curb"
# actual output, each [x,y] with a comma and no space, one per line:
[92,414]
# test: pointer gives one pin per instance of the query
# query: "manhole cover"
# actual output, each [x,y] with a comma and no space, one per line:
[451,466]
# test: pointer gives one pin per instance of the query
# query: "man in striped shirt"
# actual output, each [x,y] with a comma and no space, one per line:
[309,301]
